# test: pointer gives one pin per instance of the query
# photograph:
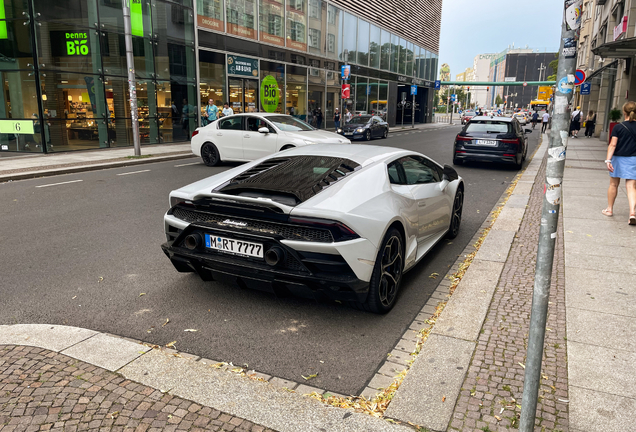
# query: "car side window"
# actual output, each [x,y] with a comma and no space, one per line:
[394,173]
[438,172]
[231,123]
[417,172]
[252,124]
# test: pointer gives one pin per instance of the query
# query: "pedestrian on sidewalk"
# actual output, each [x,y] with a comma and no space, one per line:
[318,116]
[211,112]
[336,119]
[227,111]
[575,123]
[535,119]
[621,161]
[590,124]
[545,119]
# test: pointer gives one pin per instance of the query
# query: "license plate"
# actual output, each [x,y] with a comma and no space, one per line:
[348,133]
[486,143]
[232,246]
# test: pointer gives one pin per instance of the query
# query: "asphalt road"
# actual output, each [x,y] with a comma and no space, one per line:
[81,253]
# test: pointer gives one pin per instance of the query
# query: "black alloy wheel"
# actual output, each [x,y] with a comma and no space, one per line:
[210,155]
[456,215]
[367,135]
[386,133]
[387,274]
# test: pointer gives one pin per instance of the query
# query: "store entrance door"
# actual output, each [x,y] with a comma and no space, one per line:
[243,95]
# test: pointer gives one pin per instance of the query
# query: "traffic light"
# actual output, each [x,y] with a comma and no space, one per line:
[487,88]
[467,88]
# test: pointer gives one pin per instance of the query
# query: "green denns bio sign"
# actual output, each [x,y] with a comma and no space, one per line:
[76,44]
[270,94]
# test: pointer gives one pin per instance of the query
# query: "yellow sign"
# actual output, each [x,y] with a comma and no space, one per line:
[16,127]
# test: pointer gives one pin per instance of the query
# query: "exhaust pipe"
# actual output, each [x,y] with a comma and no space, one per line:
[274,256]
[192,241]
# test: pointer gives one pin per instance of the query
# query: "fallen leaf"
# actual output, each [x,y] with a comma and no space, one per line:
[167,321]
[142,294]
[571,232]
[498,418]
[171,344]
[191,330]
[522,365]
[443,398]
[114,414]
[74,297]
[100,279]
[307,378]
[434,275]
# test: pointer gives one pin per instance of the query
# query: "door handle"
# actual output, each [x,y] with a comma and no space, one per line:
[421,204]
[246,136]
[219,134]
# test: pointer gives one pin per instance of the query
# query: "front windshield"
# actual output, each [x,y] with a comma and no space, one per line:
[363,119]
[289,124]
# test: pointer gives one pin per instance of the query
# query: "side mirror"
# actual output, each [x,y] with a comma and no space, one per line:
[449,173]
[527,130]
[263,130]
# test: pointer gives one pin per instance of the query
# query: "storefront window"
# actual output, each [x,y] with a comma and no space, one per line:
[316,96]
[383,97]
[315,37]
[395,51]
[349,36]
[362,95]
[18,101]
[69,48]
[373,97]
[272,21]
[16,47]
[297,24]
[363,42]
[296,92]
[374,47]
[14,9]
[409,59]
[402,57]
[212,77]
[333,98]
[241,18]
[111,17]
[272,83]
[210,14]
[385,52]
[428,62]
[71,12]
[334,22]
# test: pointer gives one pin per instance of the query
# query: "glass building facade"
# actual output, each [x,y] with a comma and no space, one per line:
[64,74]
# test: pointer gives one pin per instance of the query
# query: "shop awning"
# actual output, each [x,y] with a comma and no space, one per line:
[624,48]
[600,71]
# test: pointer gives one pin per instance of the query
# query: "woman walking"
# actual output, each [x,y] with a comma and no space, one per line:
[590,124]
[621,162]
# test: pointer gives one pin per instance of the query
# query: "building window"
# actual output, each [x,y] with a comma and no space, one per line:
[314,9]
[297,31]
[332,13]
[331,43]
[314,38]
[296,4]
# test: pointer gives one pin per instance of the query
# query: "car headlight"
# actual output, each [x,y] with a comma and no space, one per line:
[309,142]
[360,130]
[339,130]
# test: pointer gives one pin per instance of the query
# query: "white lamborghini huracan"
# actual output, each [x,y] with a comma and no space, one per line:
[343,222]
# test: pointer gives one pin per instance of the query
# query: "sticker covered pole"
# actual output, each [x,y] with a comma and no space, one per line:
[130,64]
[550,213]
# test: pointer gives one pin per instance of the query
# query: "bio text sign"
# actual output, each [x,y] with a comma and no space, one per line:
[76,44]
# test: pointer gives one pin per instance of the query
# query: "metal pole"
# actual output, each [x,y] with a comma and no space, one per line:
[130,63]
[548,231]
[413,114]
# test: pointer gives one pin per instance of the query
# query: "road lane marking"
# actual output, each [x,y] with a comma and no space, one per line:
[133,172]
[193,163]
[61,183]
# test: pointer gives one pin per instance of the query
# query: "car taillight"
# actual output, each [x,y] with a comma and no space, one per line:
[196,132]
[339,231]
[510,141]
[461,138]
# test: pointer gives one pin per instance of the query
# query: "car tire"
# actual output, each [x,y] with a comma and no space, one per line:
[385,134]
[210,155]
[457,161]
[287,147]
[525,153]
[456,214]
[367,135]
[387,274]
[519,165]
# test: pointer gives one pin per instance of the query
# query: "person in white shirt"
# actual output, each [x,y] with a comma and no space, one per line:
[227,110]
[544,122]
[575,124]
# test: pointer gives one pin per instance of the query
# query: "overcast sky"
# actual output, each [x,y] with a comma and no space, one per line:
[472,27]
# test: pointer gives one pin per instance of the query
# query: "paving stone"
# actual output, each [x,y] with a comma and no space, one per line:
[27,368]
[283,383]
[305,389]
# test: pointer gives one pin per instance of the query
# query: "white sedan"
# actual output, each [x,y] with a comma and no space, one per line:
[246,137]
[334,221]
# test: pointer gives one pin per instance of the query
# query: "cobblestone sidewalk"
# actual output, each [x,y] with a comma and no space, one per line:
[41,390]
[490,399]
